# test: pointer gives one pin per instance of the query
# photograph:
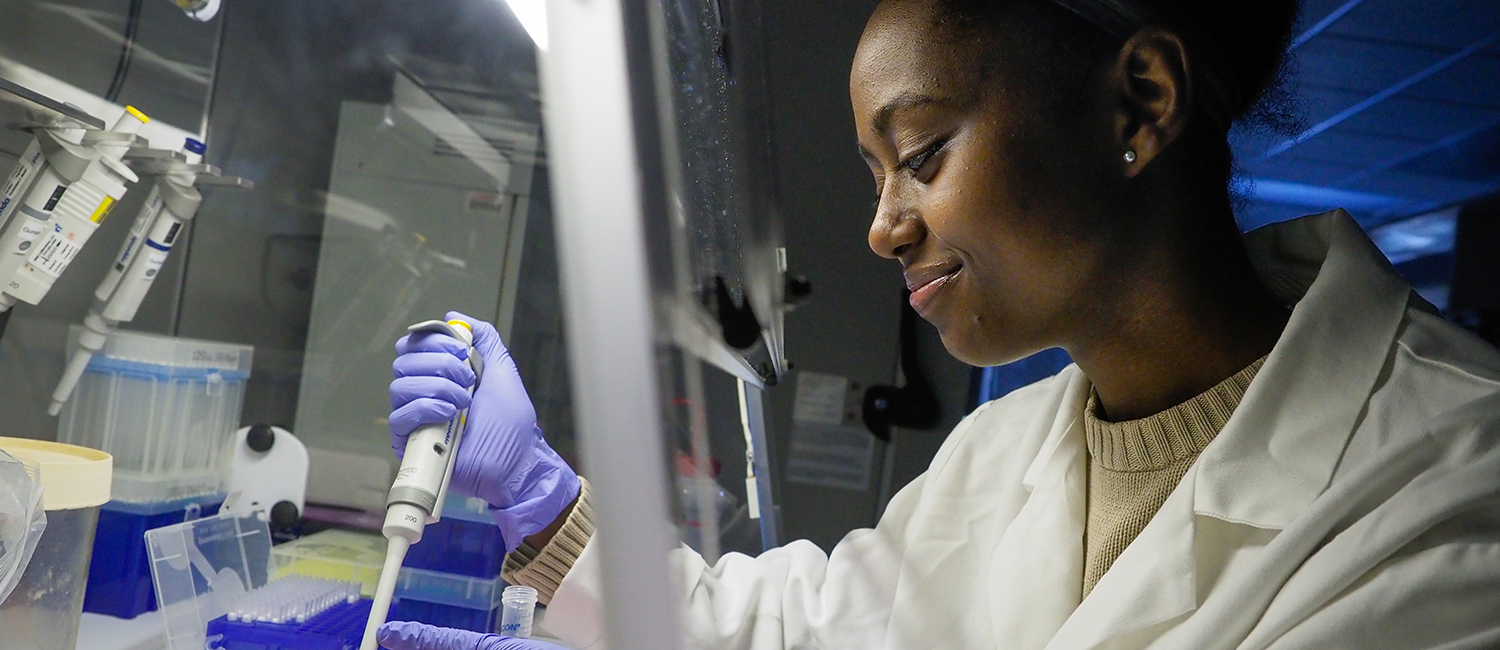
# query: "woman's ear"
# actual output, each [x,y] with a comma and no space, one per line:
[1153,90]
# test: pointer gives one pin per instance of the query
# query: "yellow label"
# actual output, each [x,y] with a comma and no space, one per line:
[138,115]
[104,209]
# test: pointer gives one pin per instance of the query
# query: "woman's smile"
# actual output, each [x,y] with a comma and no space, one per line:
[927,283]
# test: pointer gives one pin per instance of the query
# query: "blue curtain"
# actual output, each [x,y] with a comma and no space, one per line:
[999,381]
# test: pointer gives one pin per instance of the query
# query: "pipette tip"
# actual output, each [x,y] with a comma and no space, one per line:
[395,552]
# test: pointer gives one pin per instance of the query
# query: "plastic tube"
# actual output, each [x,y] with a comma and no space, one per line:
[517,609]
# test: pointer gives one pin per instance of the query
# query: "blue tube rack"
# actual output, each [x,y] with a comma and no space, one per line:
[341,627]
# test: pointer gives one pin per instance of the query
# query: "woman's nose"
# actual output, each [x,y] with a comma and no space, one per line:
[895,228]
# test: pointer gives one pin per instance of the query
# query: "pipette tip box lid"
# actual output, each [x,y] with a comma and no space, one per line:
[165,407]
[200,567]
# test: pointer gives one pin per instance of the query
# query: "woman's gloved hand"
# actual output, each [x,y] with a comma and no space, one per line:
[502,457]
[416,636]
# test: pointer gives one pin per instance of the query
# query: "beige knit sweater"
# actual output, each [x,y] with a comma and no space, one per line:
[544,569]
[1135,465]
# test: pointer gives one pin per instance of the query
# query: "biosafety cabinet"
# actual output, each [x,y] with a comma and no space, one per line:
[591,179]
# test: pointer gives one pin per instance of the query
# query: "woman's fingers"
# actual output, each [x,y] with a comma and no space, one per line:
[417,413]
[400,635]
[433,364]
[405,390]
[431,342]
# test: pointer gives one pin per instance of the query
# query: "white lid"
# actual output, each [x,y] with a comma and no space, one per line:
[125,345]
[72,477]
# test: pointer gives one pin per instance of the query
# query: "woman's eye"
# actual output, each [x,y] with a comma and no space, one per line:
[915,163]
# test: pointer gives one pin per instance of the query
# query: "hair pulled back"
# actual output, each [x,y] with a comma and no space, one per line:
[1241,45]
[1240,49]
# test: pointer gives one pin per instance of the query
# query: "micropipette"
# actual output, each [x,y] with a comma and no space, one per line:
[28,166]
[172,203]
[33,193]
[417,495]
[76,205]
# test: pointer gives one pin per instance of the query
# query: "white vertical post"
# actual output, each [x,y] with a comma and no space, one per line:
[607,296]
[753,419]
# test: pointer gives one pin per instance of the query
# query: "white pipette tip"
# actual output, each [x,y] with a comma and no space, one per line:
[71,374]
[395,553]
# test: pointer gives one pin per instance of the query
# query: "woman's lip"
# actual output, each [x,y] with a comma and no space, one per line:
[922,296]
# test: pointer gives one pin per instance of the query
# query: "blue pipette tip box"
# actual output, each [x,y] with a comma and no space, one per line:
[465,542]
[340,627]
[120,571]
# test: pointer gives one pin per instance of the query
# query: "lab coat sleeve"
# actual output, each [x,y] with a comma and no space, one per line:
[794,596]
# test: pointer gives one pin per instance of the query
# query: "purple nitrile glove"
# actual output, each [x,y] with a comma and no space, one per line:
[416,636]
[502,457]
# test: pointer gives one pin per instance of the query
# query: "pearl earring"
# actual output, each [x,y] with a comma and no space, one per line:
[1129,156]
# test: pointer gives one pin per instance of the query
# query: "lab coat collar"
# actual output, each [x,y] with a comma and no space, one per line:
[1037,587]
[1280,448]
[1274,456]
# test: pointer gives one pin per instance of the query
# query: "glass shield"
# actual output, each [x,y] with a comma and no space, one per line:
[427,211]
[721,295]
[666,252]
[723,292]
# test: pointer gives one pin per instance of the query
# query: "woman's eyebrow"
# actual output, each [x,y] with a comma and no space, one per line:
[904,101]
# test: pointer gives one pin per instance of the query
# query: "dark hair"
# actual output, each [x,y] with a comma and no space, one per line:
[1243,48]
[1240,46]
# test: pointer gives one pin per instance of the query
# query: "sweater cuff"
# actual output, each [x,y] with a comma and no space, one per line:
[545,569]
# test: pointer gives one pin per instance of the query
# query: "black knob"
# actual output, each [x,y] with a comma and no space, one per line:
[798,287]
[737,319]
[260,438]
[284,515]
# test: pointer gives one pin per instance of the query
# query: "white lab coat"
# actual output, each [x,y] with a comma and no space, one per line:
[1352,501]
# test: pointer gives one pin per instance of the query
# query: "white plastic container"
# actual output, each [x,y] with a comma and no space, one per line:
[43,611]
[166,408]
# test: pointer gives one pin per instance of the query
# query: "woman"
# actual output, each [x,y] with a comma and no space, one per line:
[1267,440]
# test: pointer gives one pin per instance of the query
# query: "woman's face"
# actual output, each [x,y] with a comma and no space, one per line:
[993,196]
